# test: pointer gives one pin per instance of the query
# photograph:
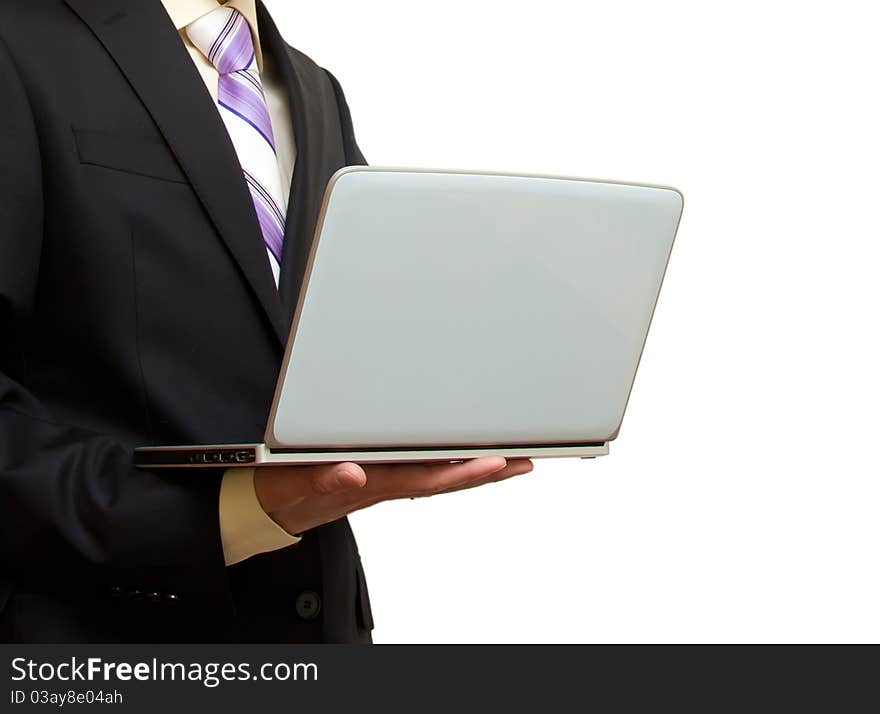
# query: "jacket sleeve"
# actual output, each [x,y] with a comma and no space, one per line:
[353,155]
[73,509]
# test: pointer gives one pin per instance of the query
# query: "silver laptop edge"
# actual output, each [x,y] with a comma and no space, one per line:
[247,455]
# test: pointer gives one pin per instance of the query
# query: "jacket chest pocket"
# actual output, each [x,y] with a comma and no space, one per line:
[133,153]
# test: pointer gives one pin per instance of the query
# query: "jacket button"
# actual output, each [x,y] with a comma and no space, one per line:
[308,605]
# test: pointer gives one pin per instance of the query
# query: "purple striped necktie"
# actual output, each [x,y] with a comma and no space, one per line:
[224,37]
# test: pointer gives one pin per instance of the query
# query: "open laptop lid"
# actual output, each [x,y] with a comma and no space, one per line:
[453,309]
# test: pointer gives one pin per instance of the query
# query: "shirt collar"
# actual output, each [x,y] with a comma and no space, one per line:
[184,12]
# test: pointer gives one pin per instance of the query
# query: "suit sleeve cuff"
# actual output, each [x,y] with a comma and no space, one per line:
[245,528]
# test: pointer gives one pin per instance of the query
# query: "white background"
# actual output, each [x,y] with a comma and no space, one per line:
[741,501]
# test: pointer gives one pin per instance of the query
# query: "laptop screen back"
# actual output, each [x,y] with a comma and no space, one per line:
[461,309]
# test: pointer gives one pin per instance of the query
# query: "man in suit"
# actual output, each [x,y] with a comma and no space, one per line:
[163,163]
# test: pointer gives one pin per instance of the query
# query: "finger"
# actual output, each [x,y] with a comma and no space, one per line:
[425,479]
[515,467]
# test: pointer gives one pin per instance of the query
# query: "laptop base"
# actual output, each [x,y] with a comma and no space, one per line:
[250,455]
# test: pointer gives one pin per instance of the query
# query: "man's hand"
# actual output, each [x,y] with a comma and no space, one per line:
[300,498]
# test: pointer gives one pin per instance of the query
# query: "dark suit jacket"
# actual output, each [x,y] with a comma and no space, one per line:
[137,307]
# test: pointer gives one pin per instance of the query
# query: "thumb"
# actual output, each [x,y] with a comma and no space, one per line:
[279,487]
[336,478]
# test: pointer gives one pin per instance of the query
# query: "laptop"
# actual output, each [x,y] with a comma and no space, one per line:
[447,315]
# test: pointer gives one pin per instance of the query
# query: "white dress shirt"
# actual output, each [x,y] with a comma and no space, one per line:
[245,529]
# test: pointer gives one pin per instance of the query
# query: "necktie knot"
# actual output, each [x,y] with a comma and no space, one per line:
[224,37]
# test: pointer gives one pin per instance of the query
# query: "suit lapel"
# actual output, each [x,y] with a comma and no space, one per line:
[146,47]
[310,174]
